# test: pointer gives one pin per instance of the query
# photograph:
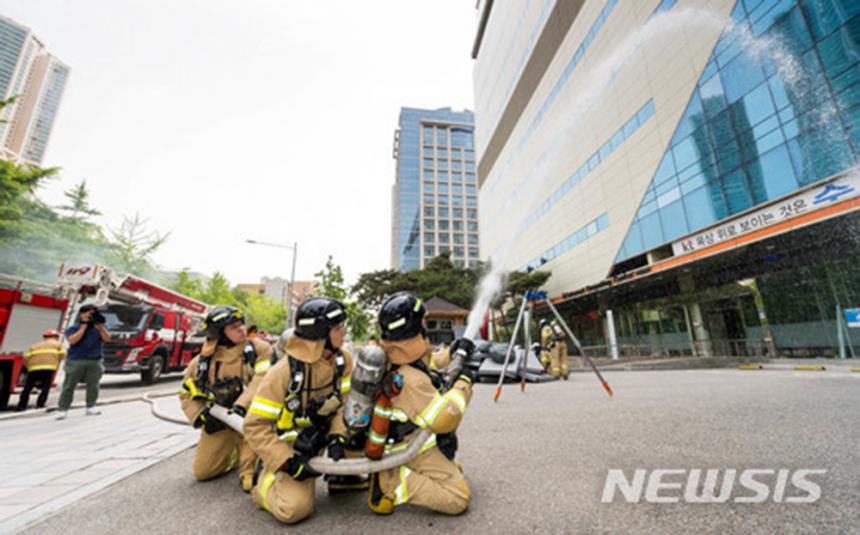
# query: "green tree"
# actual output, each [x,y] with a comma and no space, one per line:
[185,285]
[79,202]
[441,278]
[331,283]
[16,184]
[134,245]
[267,314]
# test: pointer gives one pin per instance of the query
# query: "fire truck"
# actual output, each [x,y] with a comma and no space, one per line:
[27,309]
[153,329]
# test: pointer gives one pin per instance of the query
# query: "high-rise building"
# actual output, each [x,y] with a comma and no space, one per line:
[37,79]
[686,169]
[434,198]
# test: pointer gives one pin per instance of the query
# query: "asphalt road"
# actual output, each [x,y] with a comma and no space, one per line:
[537,462]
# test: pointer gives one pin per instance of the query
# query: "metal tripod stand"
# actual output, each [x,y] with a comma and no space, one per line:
[524,317]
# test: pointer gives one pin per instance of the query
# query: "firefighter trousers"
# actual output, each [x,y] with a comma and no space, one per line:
[43,378]
[220,452]
[288,500]
[558,361]
[430,480]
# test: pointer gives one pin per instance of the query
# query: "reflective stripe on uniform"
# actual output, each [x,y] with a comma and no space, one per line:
[56,352]
[430,412]
[262,367]
[52,367]
[288,436]
[264,490]
[431,442]
[401,494]
[345,385]
[265,408]
[398,415]
[457,398]
[303,421]
[234,460]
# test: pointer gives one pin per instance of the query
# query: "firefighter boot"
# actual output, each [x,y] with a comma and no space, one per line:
[341,484]
[376,499]
[247,482]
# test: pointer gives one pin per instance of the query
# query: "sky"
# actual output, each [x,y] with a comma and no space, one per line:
[226,120]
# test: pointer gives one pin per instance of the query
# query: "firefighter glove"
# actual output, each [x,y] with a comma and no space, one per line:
[297,468]
[209,423]
[336,445]
[467,374]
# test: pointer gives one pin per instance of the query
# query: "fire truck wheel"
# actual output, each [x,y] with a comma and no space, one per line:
[153,373]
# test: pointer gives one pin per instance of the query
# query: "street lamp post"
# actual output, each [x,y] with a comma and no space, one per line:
[295,249]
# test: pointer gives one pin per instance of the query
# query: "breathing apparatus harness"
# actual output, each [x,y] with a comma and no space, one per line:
[398,430]
[305,420]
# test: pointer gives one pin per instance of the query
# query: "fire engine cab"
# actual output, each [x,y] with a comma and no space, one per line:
[152,328]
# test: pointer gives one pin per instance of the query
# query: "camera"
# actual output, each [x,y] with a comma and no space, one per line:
[97,318]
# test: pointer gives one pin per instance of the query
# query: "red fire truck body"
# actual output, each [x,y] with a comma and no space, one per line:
[27,309]
[152,328]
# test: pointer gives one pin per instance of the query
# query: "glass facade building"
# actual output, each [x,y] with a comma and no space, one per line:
[434,198]
[37,79]
[677,165]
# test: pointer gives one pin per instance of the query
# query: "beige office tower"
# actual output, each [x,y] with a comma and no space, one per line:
[37,79]
[686,169]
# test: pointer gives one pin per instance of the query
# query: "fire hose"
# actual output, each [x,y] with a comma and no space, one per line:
[323,465]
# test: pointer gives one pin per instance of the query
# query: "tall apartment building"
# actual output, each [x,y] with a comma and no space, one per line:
[434,198]
[686,169]
[38,79]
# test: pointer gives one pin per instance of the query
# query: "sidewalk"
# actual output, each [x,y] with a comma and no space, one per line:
[48,464]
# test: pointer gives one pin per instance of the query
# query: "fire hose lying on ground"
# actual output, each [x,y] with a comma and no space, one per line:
[370,365]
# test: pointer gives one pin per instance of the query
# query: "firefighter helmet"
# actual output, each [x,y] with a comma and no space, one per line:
[220,317]
[401,317]
[317,316]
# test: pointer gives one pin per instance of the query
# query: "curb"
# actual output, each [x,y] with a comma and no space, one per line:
[33,413]
[750,367]
[802,368]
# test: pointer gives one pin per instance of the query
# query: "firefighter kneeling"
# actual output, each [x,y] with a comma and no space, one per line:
[226,372]
[416,399]
[297,411]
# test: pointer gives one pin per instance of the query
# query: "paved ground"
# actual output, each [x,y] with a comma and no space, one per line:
[537,462]
[113,386]
[47,464]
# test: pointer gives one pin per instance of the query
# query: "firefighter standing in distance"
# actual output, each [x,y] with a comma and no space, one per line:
[226,372]
[557,350]
[297,411]
[546,343]
[42,361]
[432,479]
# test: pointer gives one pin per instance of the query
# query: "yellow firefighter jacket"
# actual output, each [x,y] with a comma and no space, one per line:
[44,355]
[420,403]
[270,428]
[226,362]
[547,337]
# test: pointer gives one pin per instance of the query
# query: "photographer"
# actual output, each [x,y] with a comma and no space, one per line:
[84,362]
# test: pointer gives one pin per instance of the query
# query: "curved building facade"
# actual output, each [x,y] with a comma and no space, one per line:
[686,169]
